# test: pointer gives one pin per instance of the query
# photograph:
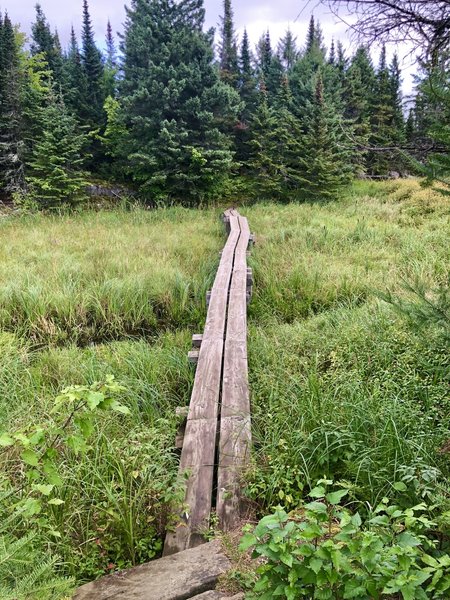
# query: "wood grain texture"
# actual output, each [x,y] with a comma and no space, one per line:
[199,444]
[235,424]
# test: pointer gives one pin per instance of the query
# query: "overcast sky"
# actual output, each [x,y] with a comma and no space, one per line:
[256,15]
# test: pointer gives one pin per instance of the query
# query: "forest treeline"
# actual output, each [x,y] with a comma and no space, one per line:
[177,117]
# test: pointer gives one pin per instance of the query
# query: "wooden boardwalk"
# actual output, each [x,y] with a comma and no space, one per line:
[217,434]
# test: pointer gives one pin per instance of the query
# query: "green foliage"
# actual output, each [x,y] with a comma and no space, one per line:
[27,573]
[176,145]
[323,550]
[55,177]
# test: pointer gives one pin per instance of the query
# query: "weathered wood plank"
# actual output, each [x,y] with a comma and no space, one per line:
[199,442]
[235,425]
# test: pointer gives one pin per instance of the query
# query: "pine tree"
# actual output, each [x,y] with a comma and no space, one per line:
[92,109]
[175,107]
[228,55]
[324,158]
[55,174]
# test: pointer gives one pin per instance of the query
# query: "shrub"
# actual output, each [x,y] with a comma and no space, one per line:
[323,550]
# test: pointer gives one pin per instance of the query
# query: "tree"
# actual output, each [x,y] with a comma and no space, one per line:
[46,43]
[75,88]
[110,68]
[324,163]
[175,108]
[423,23]
[55,176]
[228,55]
[358,94]
[288,50]
[248,93]
[12,146]
[92,108]
[387,127]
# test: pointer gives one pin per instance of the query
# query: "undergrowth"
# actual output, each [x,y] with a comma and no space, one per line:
[348,370]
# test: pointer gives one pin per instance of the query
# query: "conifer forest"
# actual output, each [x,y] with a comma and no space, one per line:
[118,155]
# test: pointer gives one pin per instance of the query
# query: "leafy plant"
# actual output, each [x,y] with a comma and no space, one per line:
[323,550]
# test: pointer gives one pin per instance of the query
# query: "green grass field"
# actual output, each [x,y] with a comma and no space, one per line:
[342,383]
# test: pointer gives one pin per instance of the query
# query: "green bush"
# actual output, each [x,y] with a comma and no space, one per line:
[324,551]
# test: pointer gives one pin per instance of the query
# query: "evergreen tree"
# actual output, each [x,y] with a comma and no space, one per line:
[314,39]
[288,50]
[110,68]
[248,94]
[46,43]
[55,174]
[275,146]
[228,55]
[111,54]
[358,90]
[332,55]
[302,77]
[398,122]
[12,146]
[264,54]
[410,127]
[247,83]
[175,107]
[92,108]
[75,88]
[324,157]
[386,123]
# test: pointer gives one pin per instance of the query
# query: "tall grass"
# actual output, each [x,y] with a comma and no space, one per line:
[341,384]
[101,276]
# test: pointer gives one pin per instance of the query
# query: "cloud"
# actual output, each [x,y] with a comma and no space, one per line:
[256,15]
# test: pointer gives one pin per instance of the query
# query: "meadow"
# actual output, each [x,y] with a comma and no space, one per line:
[348,358]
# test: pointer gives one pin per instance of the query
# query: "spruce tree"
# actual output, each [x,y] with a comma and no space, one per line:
[264,54]
[175,107]
[288,50]
[247,79]
[358,90]
[75,88]
[274,147]
[248,94]
[46,43]
[386,124]
[55,176]
[110,68]
[12,146]
[92,109]
[228,54]
[324,157]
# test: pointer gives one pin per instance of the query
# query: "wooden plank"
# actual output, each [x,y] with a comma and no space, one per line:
[234,453]
[194,521]
[197,339]
[235,424]
[199,443]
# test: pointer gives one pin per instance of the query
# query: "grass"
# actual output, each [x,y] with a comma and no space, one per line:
[342,384]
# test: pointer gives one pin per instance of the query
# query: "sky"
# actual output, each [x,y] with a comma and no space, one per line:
[255,15]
